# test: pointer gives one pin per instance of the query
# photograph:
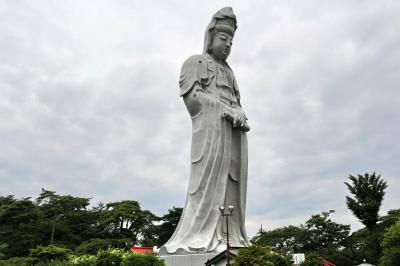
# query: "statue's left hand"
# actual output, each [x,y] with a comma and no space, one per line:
[239,118]
[237,121]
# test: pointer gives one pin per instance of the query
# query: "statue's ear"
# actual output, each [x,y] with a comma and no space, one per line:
[211,35]
[209,45]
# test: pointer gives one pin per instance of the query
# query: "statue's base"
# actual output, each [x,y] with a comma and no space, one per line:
[187,260]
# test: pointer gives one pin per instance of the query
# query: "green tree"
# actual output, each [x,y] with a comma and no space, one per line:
[68,220]
[3,250]
[391,246]
[318,234]
[109,257]
[285,240]
[259,256]
[48,253]
[354,250]
[17,261]
[126,219]
[323,235]
[93,245]
[169,223]
[357,246]
[20,226]
[149,236]
[312,259]
[368,192]
[392,217]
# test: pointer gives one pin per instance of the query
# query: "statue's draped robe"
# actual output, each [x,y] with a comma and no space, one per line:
[218,174]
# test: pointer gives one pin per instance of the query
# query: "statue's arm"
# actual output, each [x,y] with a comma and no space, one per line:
[192,100]
[195,98]
[193,72]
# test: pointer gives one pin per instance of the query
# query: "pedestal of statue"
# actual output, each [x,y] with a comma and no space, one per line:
[187,259]
[206,259]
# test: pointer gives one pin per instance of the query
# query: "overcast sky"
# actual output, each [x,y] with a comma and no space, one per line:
[89,101]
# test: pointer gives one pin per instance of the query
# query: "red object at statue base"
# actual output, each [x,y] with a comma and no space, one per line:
[327,263]
[142,250]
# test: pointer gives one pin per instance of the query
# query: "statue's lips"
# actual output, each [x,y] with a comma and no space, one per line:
[226,51]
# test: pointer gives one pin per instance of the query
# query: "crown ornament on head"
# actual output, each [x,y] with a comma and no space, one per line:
[225,25]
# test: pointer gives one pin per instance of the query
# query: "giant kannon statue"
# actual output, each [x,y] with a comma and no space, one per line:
[218,173]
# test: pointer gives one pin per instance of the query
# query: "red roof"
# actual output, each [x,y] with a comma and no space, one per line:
[142,250]
[328,263]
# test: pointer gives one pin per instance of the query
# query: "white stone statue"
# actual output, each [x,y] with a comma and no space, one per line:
[218,174]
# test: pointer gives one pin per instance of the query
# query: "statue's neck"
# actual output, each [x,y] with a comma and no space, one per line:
[218,60]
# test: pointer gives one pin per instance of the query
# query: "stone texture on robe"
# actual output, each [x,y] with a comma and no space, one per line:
[218,173]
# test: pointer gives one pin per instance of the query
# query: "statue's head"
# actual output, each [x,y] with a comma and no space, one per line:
[219,34]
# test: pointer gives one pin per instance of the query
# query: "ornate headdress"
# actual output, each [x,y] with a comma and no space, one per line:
[224,20]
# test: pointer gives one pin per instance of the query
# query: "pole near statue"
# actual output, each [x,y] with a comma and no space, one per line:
[226,216]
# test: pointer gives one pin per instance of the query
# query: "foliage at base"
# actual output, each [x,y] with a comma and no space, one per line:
[117,257]
[260,256]
[141,260]
[93,245]
[17,261]
[58,256]
[312,259]
[48,254]
[391,246]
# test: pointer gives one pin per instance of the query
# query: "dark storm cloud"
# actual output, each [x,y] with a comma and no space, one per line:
[89,100]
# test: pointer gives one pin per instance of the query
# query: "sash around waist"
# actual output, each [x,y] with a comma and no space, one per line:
[228,101]
[220,96]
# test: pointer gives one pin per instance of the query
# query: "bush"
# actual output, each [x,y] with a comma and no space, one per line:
[109,257]
[260,256]
[391,246]
[141,260]
[48,253]
[54,263]
[117,257]
[93,245]
[17,261]
[84,260]
[3,249]
[312,259]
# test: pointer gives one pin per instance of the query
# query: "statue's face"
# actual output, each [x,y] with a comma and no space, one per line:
[221,45]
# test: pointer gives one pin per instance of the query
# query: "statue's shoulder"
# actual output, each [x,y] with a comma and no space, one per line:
[197,57]
[195,61]
[194,70]
[195,67]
